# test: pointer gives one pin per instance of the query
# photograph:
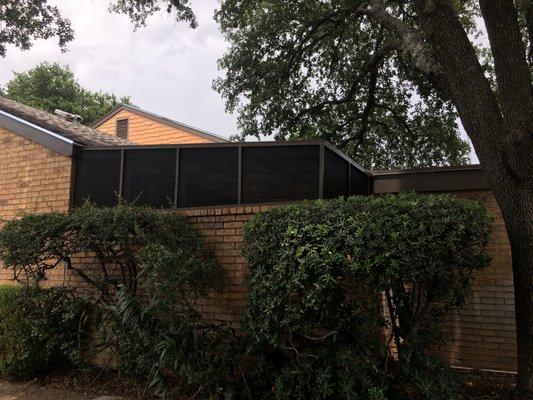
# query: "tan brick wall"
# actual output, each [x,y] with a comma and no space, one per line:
[32,179]
[142,130]
[480,335]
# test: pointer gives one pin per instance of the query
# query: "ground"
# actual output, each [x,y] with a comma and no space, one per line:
[94,384]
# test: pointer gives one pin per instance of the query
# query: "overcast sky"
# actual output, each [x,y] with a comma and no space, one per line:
[166,67]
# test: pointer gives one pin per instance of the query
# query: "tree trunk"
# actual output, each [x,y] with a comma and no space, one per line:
[517,209]
[504,145]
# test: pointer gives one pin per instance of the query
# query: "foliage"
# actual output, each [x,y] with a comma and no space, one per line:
[25,20]
[315,69]
[162,336]
[151,266]
[304,260]
[139,11]
[34,244]
[50,86]
[39,329]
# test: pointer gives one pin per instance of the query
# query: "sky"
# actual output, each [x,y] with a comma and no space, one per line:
[167,68]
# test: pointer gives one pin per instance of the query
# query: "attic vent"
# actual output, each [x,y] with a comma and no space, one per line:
[122,128]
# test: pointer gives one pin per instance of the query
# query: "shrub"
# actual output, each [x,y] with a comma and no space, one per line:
[150,268]
[40,329]
[419,251]
[34,244]
[162,336]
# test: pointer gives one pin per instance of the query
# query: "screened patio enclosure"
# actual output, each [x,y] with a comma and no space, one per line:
[175,176]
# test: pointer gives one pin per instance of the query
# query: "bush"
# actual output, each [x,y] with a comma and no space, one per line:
[148,269]
[34,244]
[163,338]
[40,329]
[419,251]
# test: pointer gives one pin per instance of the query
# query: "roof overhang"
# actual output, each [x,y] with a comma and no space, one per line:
[44,137]
[433,179]
[162,120]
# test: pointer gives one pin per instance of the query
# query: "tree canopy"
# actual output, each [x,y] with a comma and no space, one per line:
[25,20]
[50,86]
[314,69]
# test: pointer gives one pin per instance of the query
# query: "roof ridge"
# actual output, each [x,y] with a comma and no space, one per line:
[161,119]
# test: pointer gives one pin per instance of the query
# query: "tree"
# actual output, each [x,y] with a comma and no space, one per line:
[306,67]
[25,20]
[52,86]
[22,21]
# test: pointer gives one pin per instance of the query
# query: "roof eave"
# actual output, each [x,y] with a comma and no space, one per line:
[44,137]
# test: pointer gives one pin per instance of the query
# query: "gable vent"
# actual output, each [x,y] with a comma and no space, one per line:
[122,128]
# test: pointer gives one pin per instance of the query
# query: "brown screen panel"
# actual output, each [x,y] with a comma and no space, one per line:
[208,177]
[335,175]
[280,173]
[97,177]
[149,177]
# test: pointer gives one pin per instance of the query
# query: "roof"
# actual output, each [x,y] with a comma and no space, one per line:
[162,120]
[431,179]
[51,130]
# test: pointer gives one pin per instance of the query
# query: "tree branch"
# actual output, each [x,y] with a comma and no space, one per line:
[411,43]
[371,64]
[510,62]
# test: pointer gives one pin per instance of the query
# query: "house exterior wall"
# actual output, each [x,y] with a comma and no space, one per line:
[143,130]
[32,179]
[480,335]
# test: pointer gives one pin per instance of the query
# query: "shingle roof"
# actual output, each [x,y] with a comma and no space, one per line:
[78,133]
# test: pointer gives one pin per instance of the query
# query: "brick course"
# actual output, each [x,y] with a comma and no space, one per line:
[142,130]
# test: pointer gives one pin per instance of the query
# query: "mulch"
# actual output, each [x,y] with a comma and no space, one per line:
[478,385]
[481,385]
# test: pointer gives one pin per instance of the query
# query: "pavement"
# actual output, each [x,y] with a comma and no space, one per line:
[32,391]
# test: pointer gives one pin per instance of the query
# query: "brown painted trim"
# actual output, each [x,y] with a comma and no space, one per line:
[162,120]
[37,135]
[435,179]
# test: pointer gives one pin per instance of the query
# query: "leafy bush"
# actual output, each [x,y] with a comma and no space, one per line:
[317,269]
[150,268]
[163,337]
[34,244]
[39,329]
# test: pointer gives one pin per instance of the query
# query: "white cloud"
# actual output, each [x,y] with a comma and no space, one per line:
[166,67]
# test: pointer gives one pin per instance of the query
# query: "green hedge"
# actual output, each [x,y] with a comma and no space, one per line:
[317,270]
[40,329]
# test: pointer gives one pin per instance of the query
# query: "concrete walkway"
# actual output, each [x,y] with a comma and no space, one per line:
[31,391]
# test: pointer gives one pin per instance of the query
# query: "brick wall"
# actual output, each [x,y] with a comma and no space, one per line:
[480,335]
[32,179]
[142,130]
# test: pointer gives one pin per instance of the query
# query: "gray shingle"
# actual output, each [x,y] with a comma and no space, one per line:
[80,134]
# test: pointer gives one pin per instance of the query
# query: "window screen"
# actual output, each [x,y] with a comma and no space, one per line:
[149,177]
[97,177]
[358,182]
[335,175]
[208,177]
[122,128]
[279,173]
